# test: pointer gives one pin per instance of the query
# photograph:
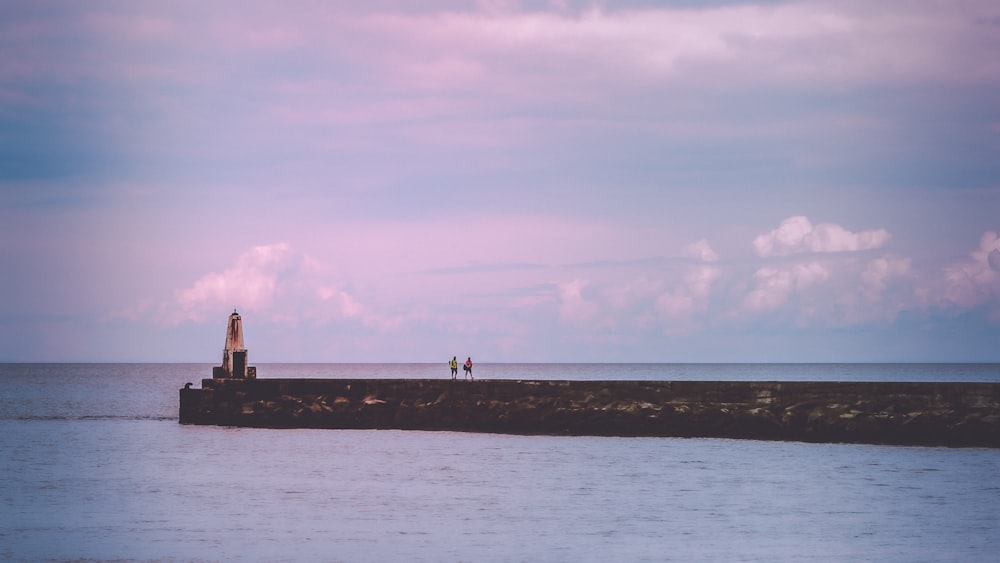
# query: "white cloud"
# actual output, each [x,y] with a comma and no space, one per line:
[682,300]
[773,286]
[347,305]
[701,250]
[880,272]
[797,234]
[671,296]
[700,279]
[691,296]
[274,280]
[250,284]
[574,308]
[816,41]
[976,282]
[624,297]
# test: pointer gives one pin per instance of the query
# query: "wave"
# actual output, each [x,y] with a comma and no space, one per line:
[60,417]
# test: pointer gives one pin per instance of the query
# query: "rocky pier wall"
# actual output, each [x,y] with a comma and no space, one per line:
[932,414]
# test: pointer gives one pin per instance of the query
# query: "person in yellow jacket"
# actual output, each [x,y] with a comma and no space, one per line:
[453,364]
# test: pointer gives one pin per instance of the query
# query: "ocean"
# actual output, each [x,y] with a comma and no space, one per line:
[95,466]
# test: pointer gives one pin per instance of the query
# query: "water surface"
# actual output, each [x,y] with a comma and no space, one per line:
[95,466]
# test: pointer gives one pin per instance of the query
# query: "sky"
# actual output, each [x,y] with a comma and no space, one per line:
[534,181]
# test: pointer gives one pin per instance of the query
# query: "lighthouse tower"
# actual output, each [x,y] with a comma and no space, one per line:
[234,356]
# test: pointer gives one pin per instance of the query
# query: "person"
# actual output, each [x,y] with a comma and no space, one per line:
[468,369]
[453,364]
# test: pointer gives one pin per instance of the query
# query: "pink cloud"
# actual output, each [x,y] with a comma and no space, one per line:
[251,284]
[574,308]
[880,272]
[670,297]
[773,286]
[623,298]
[976,282]
[512,49]
[403,276]
[797,234]
[701,250]
[275,281]
[691,296]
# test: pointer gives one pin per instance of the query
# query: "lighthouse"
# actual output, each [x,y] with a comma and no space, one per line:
[234,355]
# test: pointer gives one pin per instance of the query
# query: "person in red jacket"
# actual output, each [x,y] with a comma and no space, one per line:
[468,369]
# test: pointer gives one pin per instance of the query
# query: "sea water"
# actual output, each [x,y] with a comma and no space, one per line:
[95,466]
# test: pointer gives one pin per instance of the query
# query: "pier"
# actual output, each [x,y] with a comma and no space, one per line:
[900,413]
[924,414]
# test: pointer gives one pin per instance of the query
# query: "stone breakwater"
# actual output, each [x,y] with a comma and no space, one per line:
[947,414]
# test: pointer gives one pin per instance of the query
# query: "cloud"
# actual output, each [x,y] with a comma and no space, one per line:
[681,301]
[273,280]
[880,272]
[773,286]
[415,67]
[670,295]
[822,282]
[574,308]
[690,297]
[975,282]
[701,250]
[250,284]
[850,291]
[812,41]
[347,304]
[797,234]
